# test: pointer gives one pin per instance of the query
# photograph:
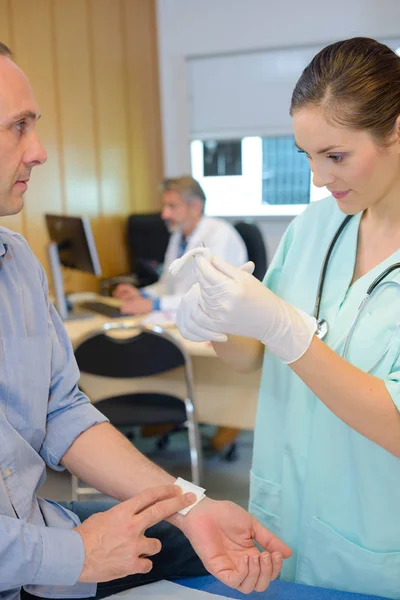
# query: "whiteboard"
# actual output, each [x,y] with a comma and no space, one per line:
[244,94]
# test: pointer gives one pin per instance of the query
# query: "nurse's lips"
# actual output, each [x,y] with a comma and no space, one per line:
[339,195]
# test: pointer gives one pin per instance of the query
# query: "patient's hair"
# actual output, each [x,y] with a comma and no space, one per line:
[356,83]
[188,188]
[5,50]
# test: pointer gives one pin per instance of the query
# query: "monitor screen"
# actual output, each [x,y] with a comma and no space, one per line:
[75,242]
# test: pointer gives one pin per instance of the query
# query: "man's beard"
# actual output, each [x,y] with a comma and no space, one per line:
[173,227]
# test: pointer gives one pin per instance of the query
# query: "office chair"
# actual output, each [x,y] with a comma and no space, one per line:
[146,351]
[256,252]
[255,246]
[147,238]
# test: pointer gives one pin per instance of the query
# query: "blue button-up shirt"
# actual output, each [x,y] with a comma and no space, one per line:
[42,412]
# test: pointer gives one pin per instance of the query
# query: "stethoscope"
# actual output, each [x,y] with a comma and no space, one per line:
[322,324]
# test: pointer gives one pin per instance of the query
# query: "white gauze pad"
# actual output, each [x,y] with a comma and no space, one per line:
[188,486]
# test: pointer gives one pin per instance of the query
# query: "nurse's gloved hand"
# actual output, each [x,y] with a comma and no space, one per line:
[188,316]
[232,301]
[191,311]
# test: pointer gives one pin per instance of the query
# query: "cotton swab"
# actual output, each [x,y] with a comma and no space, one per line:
[178,264]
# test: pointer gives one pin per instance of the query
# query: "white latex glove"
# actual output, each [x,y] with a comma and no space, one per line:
[191,310]
[229,300]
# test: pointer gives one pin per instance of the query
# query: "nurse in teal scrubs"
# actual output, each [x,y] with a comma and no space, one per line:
[326,468]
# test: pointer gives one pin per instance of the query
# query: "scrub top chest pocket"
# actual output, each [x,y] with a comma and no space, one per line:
[371,338]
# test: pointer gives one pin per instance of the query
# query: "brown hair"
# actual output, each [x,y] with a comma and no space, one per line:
[356,82]
[5,50]
[188,188]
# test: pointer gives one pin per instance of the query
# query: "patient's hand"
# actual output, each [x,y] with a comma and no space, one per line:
[223,535]
[124,291]
[137,306]
[114,540]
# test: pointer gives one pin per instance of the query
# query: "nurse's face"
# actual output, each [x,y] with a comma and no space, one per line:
[359,173]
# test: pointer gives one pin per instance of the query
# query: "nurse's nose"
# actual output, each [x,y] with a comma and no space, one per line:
[322,177]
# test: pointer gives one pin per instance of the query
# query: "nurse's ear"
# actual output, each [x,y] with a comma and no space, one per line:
[396,134]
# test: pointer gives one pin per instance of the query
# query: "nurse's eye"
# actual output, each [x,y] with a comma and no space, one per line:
[303,152]
[336,158]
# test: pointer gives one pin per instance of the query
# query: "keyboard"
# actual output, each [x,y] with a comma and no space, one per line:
[102,308]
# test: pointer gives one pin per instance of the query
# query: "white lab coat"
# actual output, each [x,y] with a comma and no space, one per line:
[218,235]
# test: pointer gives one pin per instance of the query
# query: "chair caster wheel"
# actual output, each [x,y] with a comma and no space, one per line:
[163,442]
[232,454]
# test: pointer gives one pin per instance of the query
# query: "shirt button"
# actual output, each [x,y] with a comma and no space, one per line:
[8,472]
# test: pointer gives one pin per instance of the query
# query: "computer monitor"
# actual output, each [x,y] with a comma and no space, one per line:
[72,245]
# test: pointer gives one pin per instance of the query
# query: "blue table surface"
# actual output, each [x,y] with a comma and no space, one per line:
[280,590]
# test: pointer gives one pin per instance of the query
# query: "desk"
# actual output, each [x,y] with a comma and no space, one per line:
[223,397]
[279,590]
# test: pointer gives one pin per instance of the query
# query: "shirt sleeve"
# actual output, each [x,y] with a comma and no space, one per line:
[157,289]
[160,287]
[170,303]
[69,412]
[225,242]
[31,555]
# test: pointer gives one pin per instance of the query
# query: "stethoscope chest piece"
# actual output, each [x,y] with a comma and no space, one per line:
[322,329]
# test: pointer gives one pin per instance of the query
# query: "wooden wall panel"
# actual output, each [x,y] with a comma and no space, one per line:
[32,45]
[144,102]
[110,111]
[76,107]
[93,67]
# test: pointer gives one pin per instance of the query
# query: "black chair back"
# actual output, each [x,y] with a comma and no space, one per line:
[148,239]
[255,246]
[140,355]
[148,350]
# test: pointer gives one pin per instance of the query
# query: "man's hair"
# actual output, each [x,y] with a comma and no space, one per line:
[5,50]
[186,186]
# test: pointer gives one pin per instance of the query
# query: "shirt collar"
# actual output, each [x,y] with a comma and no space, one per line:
[195,229]
[3,249]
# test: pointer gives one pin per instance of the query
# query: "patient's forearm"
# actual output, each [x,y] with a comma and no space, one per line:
[242,354]
[106,460]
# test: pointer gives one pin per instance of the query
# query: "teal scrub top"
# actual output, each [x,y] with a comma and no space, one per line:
[331,494]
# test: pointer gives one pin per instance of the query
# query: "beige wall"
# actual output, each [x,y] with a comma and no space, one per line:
[93,67]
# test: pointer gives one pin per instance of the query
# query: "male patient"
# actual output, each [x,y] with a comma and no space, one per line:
[45,419]
[183,201]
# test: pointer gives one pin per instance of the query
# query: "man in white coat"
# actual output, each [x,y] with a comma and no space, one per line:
[183,201]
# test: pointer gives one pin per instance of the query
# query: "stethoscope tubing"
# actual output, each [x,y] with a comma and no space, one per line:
[325,264]
[322,325]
